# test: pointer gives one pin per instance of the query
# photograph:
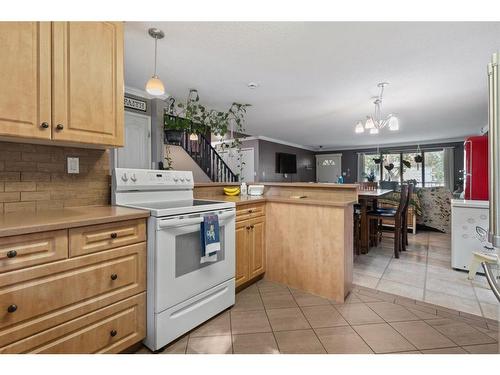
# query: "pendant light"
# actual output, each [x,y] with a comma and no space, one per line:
[155,86]
[359,127]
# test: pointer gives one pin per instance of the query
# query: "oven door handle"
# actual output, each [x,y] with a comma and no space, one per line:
[180,222]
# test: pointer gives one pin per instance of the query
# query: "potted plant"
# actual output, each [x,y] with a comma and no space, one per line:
[389,168]
[369,177]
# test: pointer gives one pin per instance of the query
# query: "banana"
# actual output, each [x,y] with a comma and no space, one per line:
[232,191]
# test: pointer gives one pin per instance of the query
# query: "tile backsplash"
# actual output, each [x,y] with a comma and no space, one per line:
[34,177]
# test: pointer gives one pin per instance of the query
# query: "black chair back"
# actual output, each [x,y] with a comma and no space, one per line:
[402,200]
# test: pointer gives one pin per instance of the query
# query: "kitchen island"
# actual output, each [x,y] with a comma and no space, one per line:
[308,233]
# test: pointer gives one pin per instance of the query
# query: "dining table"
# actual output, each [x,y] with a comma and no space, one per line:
[365,197]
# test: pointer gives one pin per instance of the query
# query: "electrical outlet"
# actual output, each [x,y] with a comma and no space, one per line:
[73,165]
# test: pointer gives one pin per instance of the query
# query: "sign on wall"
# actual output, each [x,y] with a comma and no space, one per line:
[138,105]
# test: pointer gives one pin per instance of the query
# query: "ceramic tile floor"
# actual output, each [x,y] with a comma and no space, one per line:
[424,273]
[271,318]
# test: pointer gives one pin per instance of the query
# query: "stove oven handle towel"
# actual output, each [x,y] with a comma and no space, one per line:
[210,241]
[180,222]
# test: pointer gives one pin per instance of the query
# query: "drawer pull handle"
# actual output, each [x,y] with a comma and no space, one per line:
[59,127]
[114,276]
[114,235]
[12,254]
[12,308]
[113,333]
[44,125]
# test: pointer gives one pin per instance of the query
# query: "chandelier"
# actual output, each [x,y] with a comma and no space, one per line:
[376,122]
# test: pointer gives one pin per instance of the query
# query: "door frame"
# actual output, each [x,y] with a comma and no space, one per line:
[327,155]
[114,153]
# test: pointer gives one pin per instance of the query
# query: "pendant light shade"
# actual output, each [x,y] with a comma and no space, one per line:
[193,137]
[155,86]
[393,123]
[370,124]
[359,127]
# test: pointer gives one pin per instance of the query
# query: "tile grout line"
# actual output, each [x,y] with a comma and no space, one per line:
[268,321]
[308,322]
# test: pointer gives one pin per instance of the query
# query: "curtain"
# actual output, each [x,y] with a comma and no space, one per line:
[449,168]
[361,166]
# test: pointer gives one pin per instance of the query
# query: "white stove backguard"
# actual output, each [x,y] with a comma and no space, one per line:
[131,186]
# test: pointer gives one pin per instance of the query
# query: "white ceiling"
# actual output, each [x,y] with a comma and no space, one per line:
[317,79]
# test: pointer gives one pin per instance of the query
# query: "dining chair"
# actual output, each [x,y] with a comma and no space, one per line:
[405,216]
[368,185]
[392,214]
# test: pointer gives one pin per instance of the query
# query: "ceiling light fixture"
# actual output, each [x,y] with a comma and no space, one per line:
[252,85]
[155,86]
[376,122]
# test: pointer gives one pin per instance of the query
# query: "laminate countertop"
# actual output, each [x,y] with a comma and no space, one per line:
[21,223]
[241,200]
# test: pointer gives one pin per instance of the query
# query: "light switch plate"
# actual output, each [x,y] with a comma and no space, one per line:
[73,165]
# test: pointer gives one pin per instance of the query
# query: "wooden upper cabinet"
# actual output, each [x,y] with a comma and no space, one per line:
[87,92]
[25,79]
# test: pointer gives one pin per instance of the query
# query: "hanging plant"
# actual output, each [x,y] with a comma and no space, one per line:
[193,117]
[377,160]
[406,163]
[418,159]
[389,167]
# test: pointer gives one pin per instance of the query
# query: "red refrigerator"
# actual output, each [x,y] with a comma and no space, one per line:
[476,168]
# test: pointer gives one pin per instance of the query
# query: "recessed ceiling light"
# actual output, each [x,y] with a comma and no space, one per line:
[252,85]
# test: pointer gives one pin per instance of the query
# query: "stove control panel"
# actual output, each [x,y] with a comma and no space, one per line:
[148,179]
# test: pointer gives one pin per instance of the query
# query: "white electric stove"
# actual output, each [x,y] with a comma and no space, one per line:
[182,292]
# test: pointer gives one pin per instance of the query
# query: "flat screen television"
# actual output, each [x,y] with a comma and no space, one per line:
[286,163]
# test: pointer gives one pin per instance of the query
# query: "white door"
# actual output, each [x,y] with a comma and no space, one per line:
[328,167]
[136,152]
[247,157]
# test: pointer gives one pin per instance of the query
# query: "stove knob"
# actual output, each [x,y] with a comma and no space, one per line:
[176,179]
[188,179]
[182,179]
[124,177]
[133,178]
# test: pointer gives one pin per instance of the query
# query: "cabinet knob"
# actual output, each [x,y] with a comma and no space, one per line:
[113,333]
[248,227]
[11,254]
[250,211]
[251,226]
[44,125]
[114,276]
[113,235]
[60,127]
[12,308]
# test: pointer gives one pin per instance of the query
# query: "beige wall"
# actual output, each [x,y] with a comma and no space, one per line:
[183,162]
[33,177]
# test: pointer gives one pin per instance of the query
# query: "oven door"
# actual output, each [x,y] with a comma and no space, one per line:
[179,273]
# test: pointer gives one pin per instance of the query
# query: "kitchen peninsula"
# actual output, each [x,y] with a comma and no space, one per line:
[306,241]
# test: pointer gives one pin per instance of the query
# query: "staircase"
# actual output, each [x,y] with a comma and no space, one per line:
[207,158]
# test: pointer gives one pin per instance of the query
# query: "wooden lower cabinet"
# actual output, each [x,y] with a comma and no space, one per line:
[250,248]
[84,303]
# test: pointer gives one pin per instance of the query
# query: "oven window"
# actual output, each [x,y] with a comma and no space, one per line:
[188,252]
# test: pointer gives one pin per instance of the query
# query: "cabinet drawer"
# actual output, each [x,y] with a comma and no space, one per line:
[46,295]
[250,211]
[108,330]
[32,249]
[90,239]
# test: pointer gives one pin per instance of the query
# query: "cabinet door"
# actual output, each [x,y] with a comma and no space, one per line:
[257,252]
[25,79]
[88,82]
[242,236]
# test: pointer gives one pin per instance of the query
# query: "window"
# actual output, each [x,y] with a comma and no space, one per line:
[434,168]
[429,173]
[394,161]
[414,171]
[371,167]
